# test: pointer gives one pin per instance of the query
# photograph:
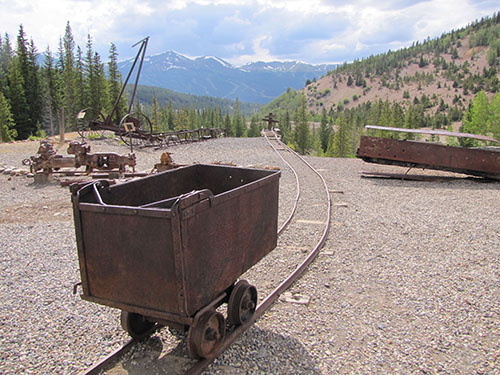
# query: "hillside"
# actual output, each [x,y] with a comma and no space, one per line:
[145,94]
[452,68]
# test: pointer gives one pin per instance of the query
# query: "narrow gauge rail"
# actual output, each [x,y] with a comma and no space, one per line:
[281,149]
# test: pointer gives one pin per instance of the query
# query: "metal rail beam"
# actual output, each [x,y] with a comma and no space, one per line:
[471,161]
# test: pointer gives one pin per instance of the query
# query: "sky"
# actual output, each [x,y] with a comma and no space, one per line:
[241,31]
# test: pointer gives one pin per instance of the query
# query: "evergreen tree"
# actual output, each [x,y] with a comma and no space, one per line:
[115,86]
[69,76]
[170,116]
[101,84]
[6,55]
[477,119]
[301,131]
[90,74]
[238,125]
[28,69]
[342,141]
[155,115]
[7,131]
[324,131]
[50,79]
[330,151]
[285,127]
[34,87]
[17,100]
[254,130]
[494,126]
[81,94]
[228,128]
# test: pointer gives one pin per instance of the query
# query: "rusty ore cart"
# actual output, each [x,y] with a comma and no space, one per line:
[169,248]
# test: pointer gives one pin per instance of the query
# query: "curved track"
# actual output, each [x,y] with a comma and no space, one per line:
[295,163]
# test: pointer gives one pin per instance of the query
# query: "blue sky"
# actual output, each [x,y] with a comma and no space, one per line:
[241,31]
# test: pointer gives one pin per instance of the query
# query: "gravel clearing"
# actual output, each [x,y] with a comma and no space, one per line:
[408,281]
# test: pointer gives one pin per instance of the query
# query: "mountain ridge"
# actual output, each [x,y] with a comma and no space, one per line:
[256,82]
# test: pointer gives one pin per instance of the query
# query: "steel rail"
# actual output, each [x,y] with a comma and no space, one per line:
[202,364]
[110,358]
[297,184]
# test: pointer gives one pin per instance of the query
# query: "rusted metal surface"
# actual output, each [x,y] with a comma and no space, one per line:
[47,161]
[167,245]
[471,161]
[409,177]
[435,132]
[165,163]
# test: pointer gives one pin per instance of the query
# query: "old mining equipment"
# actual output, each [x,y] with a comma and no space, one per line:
[47,161]
[168,249]
[413,154]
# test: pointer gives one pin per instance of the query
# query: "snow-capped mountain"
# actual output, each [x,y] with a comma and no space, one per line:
[258,82]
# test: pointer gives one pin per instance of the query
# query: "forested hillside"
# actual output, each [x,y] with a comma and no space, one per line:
[35,98]
[451,82]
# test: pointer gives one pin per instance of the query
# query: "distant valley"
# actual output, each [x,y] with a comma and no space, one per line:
[258,82]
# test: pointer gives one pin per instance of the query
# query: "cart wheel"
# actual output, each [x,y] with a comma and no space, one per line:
[242,303]
[205,336]
[136,129]
[136,325]
[88,123]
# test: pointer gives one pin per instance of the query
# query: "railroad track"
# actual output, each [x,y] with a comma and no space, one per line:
[309,215]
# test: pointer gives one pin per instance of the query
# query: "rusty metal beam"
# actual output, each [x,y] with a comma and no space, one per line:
[435,132]
[471,161]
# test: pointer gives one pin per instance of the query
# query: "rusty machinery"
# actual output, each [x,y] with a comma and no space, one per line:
[203,226]
[135,128]
[47,161]
[428,155]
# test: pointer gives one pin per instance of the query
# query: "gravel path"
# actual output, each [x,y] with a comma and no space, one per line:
[408,281]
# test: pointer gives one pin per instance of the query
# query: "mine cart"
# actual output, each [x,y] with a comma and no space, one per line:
[169,248]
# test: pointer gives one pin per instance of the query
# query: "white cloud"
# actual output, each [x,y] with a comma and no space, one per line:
[243,30]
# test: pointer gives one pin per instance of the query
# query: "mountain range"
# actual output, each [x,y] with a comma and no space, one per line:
[258,82]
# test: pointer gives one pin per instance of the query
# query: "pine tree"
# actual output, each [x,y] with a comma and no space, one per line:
[30,84]
[301,131]
[89,70]
[286,127]
[17,100]
[342,141]
[6,55]
[228,129]
[324,131]
[101,84]
[69,76]
[477,118]
[50,79]
[170,116]
[7,131]
[155,115]
[494,126]
[254,130]
[238,126]
[81,100]
[115,86]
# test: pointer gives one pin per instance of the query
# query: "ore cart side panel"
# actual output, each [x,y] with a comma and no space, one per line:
[129,258]
[221,240]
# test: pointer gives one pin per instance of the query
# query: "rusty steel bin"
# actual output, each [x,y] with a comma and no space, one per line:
[167,245]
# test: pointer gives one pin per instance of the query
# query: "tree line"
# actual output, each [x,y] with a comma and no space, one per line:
[33,96]
[35,99]
[337,133]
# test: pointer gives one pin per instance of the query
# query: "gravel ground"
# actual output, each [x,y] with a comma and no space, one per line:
[408,281]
